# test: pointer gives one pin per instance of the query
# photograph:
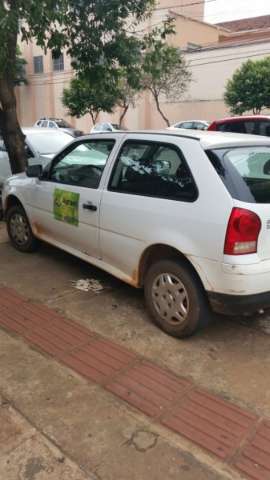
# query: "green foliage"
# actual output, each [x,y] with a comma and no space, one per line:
[91,95]
[249,88]
[93,32]
[127,95]
[165,72]
[20,74]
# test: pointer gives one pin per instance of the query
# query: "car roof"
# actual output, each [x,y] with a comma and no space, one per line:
[39,131]
[242,118]
[207,139]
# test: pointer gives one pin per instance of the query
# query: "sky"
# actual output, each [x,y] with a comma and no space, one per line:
[223,10]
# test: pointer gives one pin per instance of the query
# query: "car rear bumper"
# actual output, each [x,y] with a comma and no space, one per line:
[239,304]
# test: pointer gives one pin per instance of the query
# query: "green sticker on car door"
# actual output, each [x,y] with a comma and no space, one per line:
[66,206]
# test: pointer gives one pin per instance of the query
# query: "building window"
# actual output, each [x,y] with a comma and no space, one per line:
[58,63]
[38,64]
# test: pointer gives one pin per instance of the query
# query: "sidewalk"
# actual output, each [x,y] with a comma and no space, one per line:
[94,431]
[27,454]
[233,435]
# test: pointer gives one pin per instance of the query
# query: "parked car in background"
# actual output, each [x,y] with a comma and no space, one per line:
[184,215]
[58,123]
[251,124]
[107,127]
[41,146]
[191,124]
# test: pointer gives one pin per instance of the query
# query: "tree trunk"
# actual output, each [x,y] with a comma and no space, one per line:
[9,125]
[123,114]
[10,128]
[94,116]
[159,109]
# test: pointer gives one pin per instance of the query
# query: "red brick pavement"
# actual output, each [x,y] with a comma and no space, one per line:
[234,435]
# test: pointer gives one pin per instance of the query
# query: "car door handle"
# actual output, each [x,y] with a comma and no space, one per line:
[90,206]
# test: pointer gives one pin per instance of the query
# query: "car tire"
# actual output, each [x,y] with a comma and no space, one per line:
[175,298]
[19,230]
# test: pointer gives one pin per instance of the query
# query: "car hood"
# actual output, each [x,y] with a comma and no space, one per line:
[40,160]
[9,180]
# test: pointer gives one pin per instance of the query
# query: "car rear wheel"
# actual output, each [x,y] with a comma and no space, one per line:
[19,230]
[175,298]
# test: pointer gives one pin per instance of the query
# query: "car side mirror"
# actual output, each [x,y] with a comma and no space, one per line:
[34,171]
[29,153]
[266,168]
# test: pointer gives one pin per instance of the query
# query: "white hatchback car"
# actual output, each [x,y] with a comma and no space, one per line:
[185,215]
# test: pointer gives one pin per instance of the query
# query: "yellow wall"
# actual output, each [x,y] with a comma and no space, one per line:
[192,31]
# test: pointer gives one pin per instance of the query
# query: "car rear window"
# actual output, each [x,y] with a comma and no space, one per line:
[245,172]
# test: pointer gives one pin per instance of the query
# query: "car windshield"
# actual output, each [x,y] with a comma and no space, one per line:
[62,124]
[48,143]
[245,172]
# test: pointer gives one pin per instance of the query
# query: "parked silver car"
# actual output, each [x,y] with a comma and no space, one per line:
[192,124]
[58,123]
[107,127]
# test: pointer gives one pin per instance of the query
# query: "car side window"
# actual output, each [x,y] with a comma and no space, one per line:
[250,127]
[235,127]
[264,128]
[44,124]
[187,125]
[153,169]
[82,164]
[52,125]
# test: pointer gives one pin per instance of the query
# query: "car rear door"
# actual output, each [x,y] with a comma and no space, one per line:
[149,187]
[65,203]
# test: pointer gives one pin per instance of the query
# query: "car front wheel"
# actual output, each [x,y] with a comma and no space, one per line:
[19,230]
[175,298]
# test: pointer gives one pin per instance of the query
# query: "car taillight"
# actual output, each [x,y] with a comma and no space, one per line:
[242,232]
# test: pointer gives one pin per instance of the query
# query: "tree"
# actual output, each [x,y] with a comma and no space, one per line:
[165,71]
[85,96]
[103,93]
[93,34]
[127,97]
[249,88]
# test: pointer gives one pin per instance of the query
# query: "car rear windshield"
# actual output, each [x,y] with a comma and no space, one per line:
[245,172]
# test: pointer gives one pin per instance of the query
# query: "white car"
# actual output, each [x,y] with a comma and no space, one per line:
[191,125]
[41,146]
[59,124]
[107,127]
[185,216]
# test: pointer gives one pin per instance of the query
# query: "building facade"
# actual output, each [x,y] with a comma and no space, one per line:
[47,78]
[213,53]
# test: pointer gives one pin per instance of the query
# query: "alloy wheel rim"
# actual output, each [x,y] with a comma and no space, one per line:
[19,229]
[170,298]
